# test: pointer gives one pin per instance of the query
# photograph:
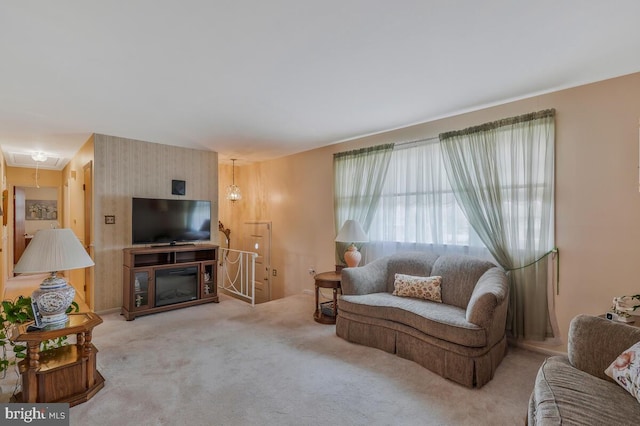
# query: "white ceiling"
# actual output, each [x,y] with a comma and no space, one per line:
[260,79]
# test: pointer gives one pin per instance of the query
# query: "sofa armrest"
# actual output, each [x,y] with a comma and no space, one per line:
[490,292]
[370,278]
[594,343]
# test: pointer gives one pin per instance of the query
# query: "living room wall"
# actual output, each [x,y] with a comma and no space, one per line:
[597,195]
[74,218]
[125,168]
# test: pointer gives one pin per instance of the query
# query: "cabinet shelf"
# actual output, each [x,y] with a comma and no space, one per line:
[146,264]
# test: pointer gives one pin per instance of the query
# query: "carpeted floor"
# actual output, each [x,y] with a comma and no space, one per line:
[230,364]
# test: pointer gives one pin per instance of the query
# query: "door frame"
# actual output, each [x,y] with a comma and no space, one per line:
[267,261]
[87,191]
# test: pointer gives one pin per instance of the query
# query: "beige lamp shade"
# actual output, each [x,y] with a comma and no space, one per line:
[351,232]
[53,250]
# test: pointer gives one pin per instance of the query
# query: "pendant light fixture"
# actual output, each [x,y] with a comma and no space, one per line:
[38,157]
[233,192]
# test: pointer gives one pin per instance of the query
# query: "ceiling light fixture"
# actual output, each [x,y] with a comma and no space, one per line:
[233,192]
[38,157]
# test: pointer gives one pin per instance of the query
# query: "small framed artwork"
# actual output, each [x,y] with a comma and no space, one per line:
[178,187]
[37,316]
[41,210]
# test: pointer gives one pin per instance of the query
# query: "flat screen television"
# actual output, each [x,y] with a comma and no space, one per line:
[157,221]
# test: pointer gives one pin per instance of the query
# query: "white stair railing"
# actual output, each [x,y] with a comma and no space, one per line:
[238,273]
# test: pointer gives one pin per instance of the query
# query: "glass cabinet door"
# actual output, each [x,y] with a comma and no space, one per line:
[208,280]
[141,286]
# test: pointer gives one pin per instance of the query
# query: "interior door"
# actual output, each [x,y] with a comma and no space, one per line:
[19,200]
[257,238]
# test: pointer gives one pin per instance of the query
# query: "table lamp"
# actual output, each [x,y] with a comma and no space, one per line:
[351,232]
[53,250]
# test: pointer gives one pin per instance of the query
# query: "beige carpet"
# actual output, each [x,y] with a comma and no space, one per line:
[230,364]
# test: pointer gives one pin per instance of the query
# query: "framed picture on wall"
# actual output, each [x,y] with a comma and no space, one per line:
[41,210]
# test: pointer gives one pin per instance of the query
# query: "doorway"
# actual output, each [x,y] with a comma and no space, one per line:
[257,238]
[33,209]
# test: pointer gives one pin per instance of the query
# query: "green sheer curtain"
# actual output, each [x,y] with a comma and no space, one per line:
[502,174]
[359,176]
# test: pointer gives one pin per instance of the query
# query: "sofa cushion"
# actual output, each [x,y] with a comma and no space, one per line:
[625,370]
[427,288]
[565,395]
[463,272]
[441,321]
[410,263]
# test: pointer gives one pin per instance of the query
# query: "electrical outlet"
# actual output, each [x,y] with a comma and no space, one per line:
[312,271]
[274,272]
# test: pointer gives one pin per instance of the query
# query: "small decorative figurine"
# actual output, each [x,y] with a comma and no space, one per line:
[623,306]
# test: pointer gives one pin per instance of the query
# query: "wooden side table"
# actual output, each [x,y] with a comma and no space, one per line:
[327,280]
[632,324]
[65,374]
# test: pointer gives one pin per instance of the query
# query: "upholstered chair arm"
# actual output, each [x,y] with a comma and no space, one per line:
[370,278]
[594,343]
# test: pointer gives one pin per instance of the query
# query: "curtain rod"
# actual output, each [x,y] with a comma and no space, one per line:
[400,145]
[416,142]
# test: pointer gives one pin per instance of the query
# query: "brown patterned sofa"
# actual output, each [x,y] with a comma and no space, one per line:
[462,339]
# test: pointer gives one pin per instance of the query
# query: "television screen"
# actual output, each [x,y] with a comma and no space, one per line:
[156,221]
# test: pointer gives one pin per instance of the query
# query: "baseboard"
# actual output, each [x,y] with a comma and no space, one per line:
[307,291]
[109,311]
[535,347]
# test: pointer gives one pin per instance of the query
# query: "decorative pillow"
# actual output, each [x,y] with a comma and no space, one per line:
[625,370]
[427,288]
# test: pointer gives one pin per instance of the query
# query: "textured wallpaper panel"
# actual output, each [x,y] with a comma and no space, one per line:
[126,168]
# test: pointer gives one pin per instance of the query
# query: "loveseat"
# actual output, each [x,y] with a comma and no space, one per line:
[574,389]
[461,338]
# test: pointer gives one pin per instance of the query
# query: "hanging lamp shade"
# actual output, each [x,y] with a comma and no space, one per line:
[233,191]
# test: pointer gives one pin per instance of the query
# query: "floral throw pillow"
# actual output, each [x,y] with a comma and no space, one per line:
[428,288]
[625,370]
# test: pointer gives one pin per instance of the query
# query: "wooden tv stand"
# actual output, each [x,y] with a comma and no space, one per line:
[143,264]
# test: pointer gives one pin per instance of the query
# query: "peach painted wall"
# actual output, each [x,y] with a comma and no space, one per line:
[295,194]
[597,197]
[73,178]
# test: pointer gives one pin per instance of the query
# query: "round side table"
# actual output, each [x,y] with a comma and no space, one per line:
[327,280]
